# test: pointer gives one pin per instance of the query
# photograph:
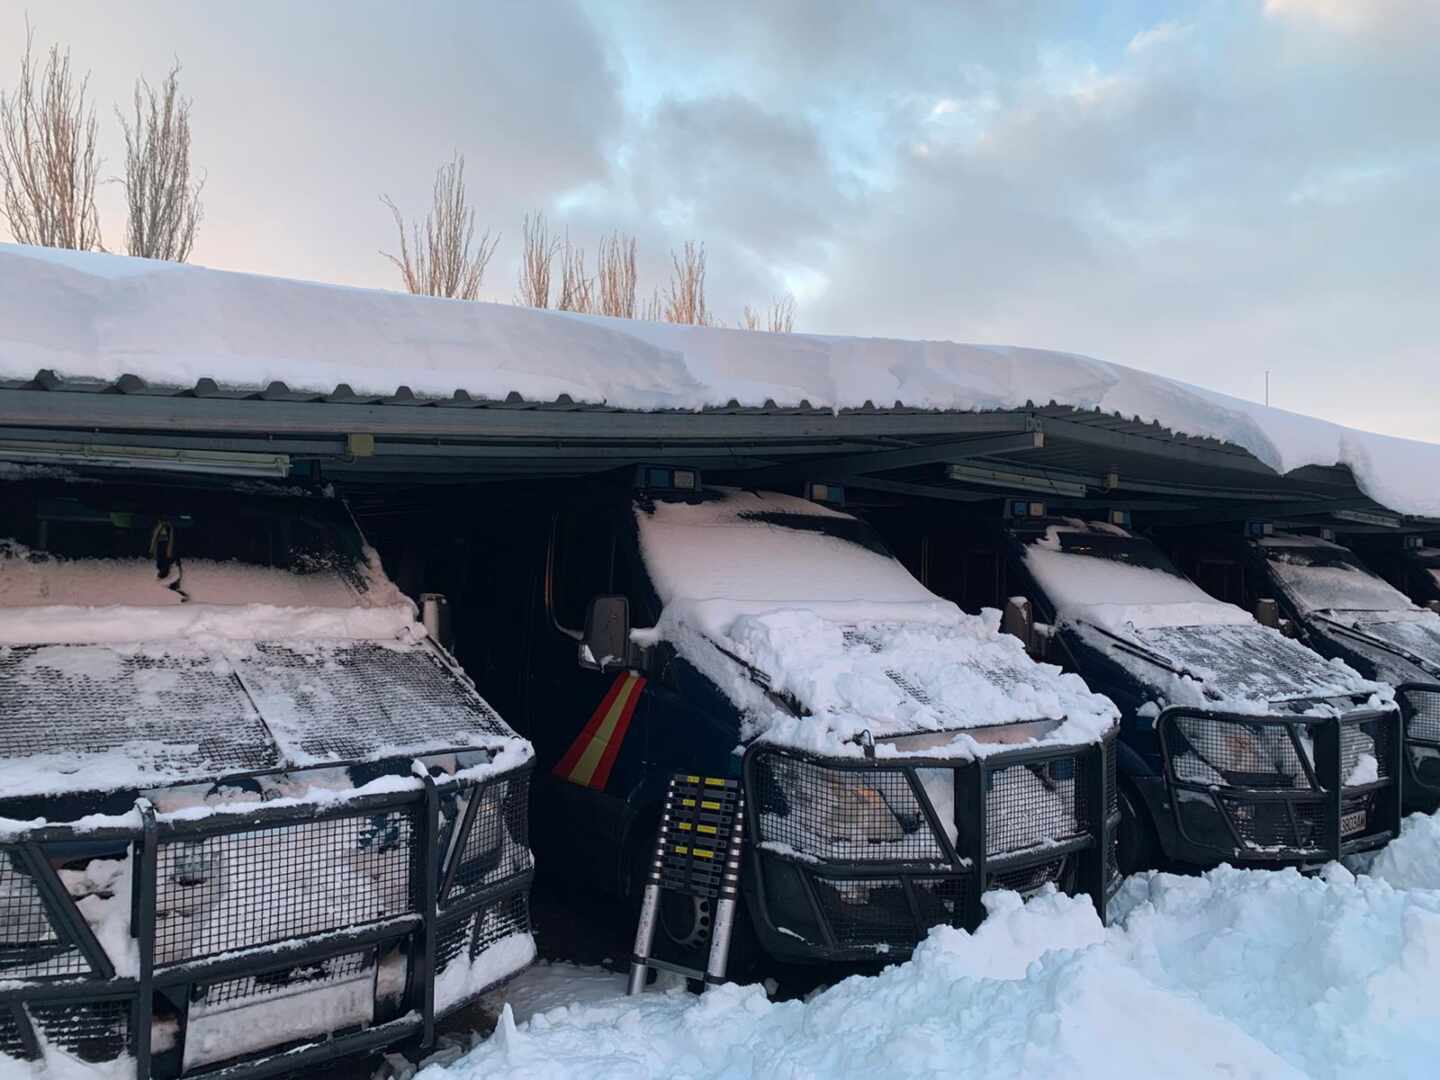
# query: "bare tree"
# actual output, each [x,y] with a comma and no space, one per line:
[48,159]
[537,258]
[615,267]
[685,296]
[446,260]
[162,205]
[577,290]
[778,318]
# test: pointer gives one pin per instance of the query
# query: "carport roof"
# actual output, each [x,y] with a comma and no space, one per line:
[104,350]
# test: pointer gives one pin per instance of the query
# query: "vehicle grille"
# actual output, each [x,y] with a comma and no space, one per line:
[215,894]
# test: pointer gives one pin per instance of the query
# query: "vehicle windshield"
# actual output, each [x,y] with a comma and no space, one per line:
[93,544]
[761,551]
[1325,577]
[1117,580]
[1247,662]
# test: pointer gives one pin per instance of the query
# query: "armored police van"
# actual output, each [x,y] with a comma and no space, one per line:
[252,817]
[1237,744]
[899,758]
[1324,595]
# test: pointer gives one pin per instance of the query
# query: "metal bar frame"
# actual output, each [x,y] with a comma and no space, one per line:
[420,926]
[968,861]
[1322,790]
[1407,713]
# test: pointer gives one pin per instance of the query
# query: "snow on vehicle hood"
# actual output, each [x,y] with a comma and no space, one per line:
[101,316]
[1176,638]
[110,681]
[1238,668]
[773,597]
[116,717]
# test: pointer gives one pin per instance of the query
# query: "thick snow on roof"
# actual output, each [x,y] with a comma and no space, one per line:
[1118,594]
[809,600]
[101,316]
[1236,973]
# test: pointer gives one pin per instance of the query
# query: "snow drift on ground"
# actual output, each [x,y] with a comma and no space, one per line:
[1236,973]
[810,601]
[102,316]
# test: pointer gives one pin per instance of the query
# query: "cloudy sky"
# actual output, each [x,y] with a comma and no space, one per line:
[1203,188]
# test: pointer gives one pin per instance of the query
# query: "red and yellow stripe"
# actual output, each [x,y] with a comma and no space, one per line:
[591,757]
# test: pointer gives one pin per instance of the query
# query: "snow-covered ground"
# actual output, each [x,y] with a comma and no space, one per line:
[1236,973]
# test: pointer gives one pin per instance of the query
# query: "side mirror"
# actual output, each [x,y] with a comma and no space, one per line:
[1018,619]
[435,615]
[1267,613]
[606,641]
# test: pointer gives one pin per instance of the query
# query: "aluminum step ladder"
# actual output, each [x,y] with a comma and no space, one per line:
[697,854]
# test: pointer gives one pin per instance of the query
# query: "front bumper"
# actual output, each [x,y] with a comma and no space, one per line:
[1314,798]
[264,940]
[938,835]
[1420,708]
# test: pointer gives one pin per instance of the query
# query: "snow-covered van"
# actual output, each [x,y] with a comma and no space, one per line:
[1337,606]
[899,758]
[252,818]
[1237,744]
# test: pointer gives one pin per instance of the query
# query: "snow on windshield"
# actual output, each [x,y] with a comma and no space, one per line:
[808,597]
[1120,592]
[1322,576]
[1209,653]
[34,579]
[745,553]
[101,316]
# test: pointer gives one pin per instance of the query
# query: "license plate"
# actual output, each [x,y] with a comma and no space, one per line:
[1352,823]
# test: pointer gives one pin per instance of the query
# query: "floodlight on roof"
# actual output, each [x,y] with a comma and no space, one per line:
[666,478]
[158,459]
[1119,518]
[828,494]
[1257,529]
[1023,508]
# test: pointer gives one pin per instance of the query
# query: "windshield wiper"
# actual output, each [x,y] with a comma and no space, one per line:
[1146,654]
[786,701]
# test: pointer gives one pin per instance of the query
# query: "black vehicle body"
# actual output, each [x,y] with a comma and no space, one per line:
[1367,623]
[1273,788]
[610,732]
[226,856]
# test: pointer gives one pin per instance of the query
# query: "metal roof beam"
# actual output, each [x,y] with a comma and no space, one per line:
[1217,515]
[842,468]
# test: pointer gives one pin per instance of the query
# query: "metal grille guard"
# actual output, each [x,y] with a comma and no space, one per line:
[1420,708]
[1261,821]
[433,875]
[925,879]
